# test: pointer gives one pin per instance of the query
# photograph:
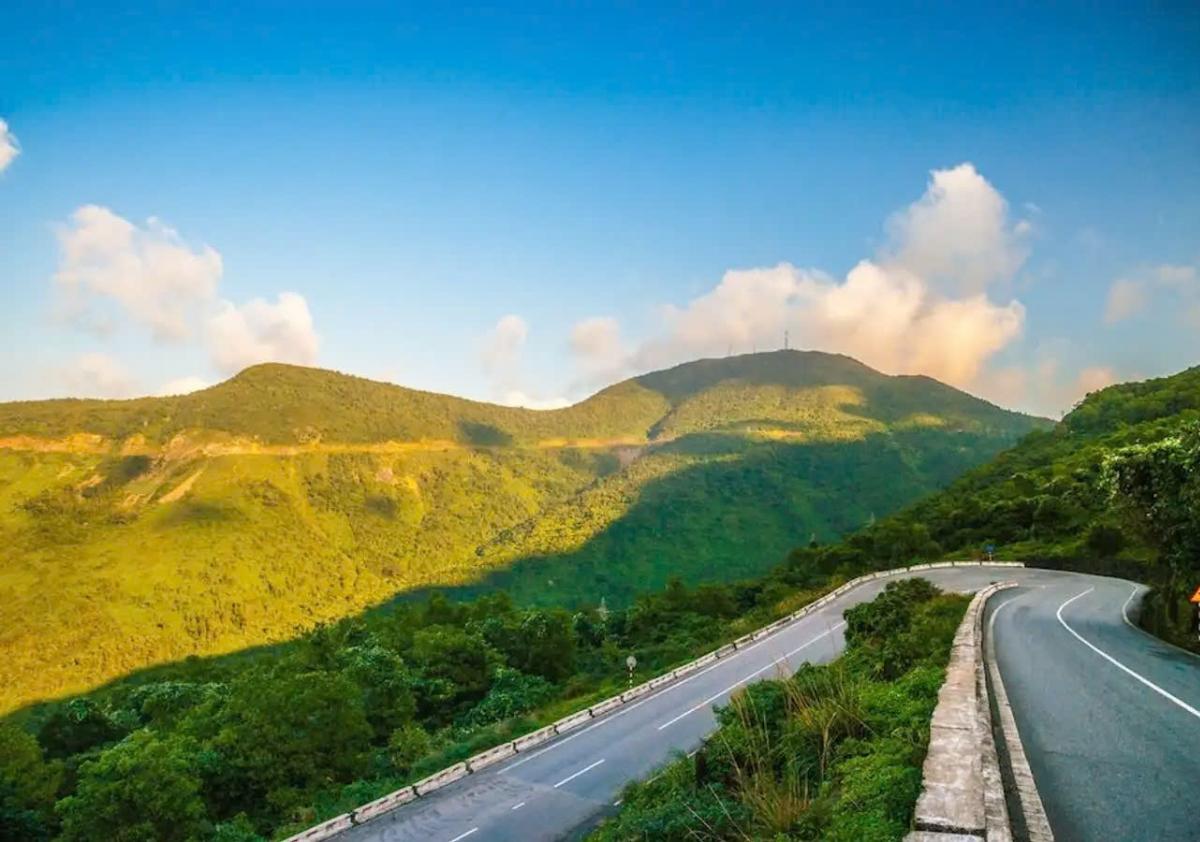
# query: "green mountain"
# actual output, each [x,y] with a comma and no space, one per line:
[148,530]
[1051,501]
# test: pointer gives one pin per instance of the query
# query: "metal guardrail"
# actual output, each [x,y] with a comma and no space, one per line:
[449,775]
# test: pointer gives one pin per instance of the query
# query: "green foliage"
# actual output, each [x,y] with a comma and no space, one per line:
[28,786]
[141,790]
[1158,483]
[287,497]
[1051,498]
[835,752]
[408,744]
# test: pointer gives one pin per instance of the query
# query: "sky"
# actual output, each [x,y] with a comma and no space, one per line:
[523,203]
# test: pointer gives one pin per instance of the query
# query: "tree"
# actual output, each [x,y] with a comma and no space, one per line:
[406,746]
[75,727]
[28,786]
[456,668]
[140,790]
[289,733]
[1158,486]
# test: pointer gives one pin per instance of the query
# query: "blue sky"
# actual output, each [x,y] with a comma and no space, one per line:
[523,205]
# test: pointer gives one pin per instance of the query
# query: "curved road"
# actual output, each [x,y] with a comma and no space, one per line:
[1109,716]
[554,789]
[1112,733]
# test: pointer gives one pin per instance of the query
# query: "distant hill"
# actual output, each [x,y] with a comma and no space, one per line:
[1044,501]
[143,531]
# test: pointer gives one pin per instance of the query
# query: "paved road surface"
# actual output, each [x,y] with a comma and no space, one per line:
[1109,716]
[548,792]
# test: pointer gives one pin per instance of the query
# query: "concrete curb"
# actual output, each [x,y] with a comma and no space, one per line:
[1037,826]
[436,781]
[962,792]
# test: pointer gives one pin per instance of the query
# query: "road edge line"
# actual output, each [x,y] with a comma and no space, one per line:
[1033,811]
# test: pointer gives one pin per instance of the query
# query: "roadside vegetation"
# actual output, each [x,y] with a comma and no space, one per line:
[1113,489]
[267,742]
[832,753]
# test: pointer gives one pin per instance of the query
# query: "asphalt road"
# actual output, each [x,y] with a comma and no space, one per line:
[556,788]
[1109,716]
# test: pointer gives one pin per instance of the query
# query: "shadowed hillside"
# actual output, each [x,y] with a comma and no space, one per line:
[148,530]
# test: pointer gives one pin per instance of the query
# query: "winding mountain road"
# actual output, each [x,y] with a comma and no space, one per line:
[1110,719]
[1109,716]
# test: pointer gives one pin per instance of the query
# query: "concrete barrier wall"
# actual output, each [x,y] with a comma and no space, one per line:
[439,779]
[534,738]
[572,721]
[487,758]
[605,706]
[325,830]
[382,805]
[962,794]
[495,755]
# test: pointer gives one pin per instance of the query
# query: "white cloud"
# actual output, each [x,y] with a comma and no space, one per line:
[1130,296]
[9,148]
[500,354]
[518,398]
[957,236]
[599,351]
[1093,379]
[183,386]
[921,306]
[1125,298]
[148,271]
[97,375]
[259,331]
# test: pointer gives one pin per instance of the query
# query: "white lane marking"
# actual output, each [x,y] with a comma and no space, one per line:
[464,835]
[653,696]
[1174,699]
[518,805]
[742,681]
[1125,608]
[1140,630]
[570,778]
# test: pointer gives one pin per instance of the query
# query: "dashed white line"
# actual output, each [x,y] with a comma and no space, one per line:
[518,805]
[742,681]
[570,778]
[464,835]
[1173,699]
[630,708]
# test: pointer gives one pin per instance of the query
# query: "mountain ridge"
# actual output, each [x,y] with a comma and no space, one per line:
[288,497]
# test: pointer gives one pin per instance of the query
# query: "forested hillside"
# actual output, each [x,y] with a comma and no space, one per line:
[1114,488]
[144,531]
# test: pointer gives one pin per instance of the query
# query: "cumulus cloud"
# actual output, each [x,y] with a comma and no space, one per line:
[183,386]
[1093,379]
[502,346]
[260,331]
[1125,298]
[599,351]
[921,305]
[9,148]
[1129,296]
[957,236]
[96,375]
[147,271]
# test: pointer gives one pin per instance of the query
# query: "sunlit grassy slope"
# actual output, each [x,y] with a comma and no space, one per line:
[142,531]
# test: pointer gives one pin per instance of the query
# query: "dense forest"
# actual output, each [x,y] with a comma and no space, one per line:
[260,743]
[1114,488]
[141,532]
[266,742]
